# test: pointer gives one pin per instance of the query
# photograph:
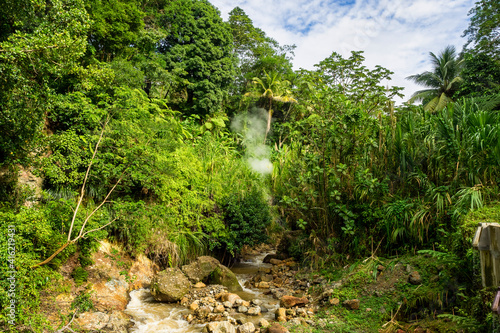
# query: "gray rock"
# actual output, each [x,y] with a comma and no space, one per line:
[254,311]
[242,309]
[246,328]
[170,285]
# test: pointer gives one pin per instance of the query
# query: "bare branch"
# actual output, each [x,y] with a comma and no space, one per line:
[104,226]
[82,191]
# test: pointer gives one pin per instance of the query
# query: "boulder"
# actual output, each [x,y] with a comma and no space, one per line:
[291,301]
[110,295]
[210,271]
[170,285]
[224,276]
[119,322]
[200,269]
[219,327]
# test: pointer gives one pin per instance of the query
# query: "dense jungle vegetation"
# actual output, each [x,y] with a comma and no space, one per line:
[156,124]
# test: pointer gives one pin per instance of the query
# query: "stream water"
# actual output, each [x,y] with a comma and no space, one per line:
[149,315]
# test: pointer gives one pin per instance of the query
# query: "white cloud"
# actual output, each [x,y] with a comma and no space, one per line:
[396,34]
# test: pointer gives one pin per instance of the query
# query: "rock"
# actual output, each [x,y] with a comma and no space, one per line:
[110,295]
[294,322]
[220,327]
[254,311]
[351,304]
[275,261]
[263,322]
[242,309]
[204,311]
[334,301]
[263,309]
[227,304]
[224,276]
[263,285]
[195,305]
[265,270]
[246,328]
[326,294]
[301,312]
[256,301]
[230,297]
[92,321]
[267,277]
[170,285]
[277,328]
[267,259]
[414,278]
[199,285]
[280,315]
[278,282]
[290,301]
[380,268]
[200,269]
[143,269]
[119,322]
[242,302]
[219,308]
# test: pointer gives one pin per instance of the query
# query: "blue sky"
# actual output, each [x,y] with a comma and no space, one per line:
[396,34]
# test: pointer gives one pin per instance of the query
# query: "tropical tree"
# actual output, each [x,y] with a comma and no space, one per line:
[271,88]
[484,28]
[442,82]
[198,46]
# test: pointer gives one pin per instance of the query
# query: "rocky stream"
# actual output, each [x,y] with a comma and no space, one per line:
[265,296]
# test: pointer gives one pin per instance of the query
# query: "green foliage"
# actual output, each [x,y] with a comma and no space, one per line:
[482,32]
[33,54]
[198,44]
[82,302]
[441,83]
[247,219]
[80,275]
[116,26]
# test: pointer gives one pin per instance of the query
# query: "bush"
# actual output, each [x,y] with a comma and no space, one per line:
[247,219]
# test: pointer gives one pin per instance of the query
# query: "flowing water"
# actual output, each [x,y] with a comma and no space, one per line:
[149,315]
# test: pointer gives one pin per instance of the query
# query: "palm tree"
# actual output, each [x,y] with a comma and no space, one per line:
[442,82]
[272,89]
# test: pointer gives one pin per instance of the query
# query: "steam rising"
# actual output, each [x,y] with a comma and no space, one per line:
[253,128]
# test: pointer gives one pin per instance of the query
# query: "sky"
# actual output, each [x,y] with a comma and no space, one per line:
[396,34]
